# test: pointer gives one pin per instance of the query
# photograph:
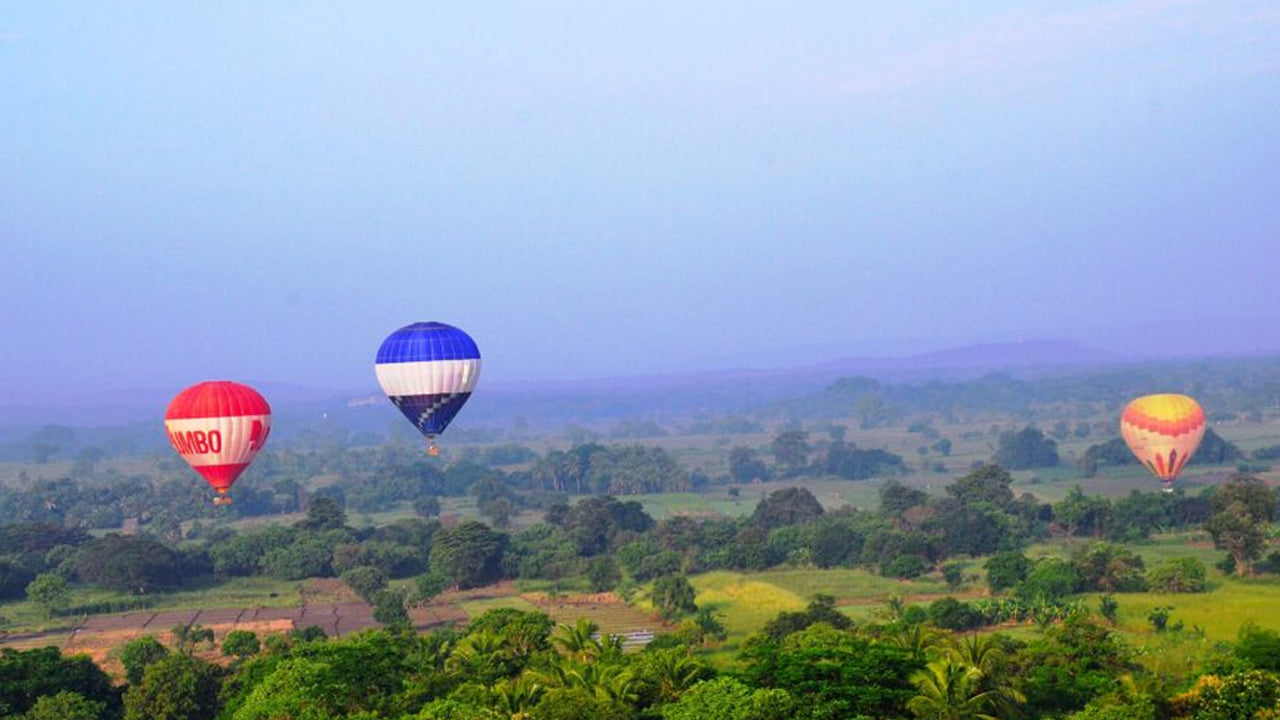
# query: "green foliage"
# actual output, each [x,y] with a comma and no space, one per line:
[788,506]
[745,465]
[1070,664]
[673,596]
[138,653]
[951,614]
[429,585]
[953,574]
[1108,567]
[389,607]
[725,698]
[1240,696]
[853,463]
[365,581]
[1258,648]
[1242,509]
[603,573]
[1050,579]
[791,450]
[323,513]
[1179,575]
[1109,608]
[50,592]
[989,484]
[66,705]
[822,609]
[1028,448]
[307,556]
[241,644]
[128,563]
[188,638]
[26,676]
[833,673]
[468,555]
[1006,570]
[177,687]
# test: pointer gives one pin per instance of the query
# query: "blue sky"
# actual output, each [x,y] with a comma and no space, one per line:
[229,189]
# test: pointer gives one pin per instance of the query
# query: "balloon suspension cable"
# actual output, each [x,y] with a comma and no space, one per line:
[432,450]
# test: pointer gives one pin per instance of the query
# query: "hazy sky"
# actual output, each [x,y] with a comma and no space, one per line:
[265,190]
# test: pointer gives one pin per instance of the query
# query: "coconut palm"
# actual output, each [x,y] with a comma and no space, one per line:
[577,640]
[951,690]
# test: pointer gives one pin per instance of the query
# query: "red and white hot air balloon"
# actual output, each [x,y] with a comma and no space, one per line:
[218,427]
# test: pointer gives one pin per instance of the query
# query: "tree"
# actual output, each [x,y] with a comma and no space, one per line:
[50,592]
[138,653]
[987,484]
[66,705]
[1108,567]
[427,506]
[241,644]
[603,573]
[788,506]
[1050,580]
[833,673]
[175,688]
[951,690]
[26,676]
[1242,509]
[791,449]
[324,513]
[428,585]
[187,637]
[1025,449]
[725,698]
[389,608]
[128,563]
[365,581]
[746,466]
[469,555]
[896,498]
[673,596]
[1178,575]
[1007,569]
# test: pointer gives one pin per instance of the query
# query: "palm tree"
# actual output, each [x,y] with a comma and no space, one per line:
[916,639]
[974,650]
[576,640]
[673,671]
[517,697]
[951,690]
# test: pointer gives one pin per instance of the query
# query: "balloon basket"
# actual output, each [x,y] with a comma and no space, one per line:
[1166,487]
[221,500]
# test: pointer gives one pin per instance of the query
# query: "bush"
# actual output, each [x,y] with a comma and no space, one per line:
[951,614]
[1179,575]
[905,567]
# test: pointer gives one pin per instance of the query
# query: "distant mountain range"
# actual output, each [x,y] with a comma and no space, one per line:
[732,390]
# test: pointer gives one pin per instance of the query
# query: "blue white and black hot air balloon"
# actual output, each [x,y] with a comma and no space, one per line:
[428,370]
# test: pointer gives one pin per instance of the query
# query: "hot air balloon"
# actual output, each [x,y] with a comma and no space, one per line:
[218,427]
[428,370]
[1163,431]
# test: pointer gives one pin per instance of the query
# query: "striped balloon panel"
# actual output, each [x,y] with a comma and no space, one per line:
[428,370]
[218,428]
[1163,431]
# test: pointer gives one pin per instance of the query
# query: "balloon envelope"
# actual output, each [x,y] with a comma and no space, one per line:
[1163,431]
[218,427]
[428,370]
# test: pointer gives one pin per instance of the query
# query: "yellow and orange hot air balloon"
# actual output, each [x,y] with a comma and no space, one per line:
[1163,431]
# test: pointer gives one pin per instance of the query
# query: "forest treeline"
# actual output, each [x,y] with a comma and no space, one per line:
[811,664]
